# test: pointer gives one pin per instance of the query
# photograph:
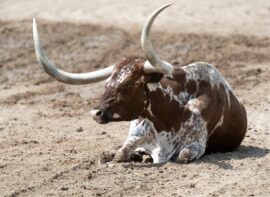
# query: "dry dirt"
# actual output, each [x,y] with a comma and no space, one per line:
[49,145]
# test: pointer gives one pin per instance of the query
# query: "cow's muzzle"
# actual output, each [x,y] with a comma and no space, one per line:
[101,116]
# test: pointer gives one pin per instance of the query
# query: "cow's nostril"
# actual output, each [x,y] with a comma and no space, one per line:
[99,113]
[96,112]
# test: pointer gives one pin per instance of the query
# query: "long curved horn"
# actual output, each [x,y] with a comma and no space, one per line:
[152,57]
[60,75]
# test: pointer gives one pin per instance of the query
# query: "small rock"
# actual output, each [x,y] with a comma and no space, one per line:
[110,165]
[192,185]
[259,70]
[80,129]
[64,188]
[34,142]
[90,176]
[175,62]
[73,151]
[104,133]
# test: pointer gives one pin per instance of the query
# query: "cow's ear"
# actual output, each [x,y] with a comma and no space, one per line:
[152,77]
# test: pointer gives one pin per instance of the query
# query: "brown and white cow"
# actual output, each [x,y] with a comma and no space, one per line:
[176,113]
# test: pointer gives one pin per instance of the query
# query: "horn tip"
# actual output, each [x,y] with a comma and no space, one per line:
[34,24]
[168,4]
[34,27]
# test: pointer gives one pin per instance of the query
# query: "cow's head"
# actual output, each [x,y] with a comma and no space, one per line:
[125,96]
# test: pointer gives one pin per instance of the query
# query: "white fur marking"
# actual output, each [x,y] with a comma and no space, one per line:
[207,72]
[162,146]
[219,123]
[93,112]
[116,115]
[193,106]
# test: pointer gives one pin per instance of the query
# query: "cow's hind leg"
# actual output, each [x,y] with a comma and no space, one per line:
[194,142]
[191,152]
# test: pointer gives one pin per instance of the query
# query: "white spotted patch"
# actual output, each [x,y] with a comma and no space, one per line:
[207,72]
[116,115]
[152,87]
[165,145]
[121,76]
[143,136]
[182,98]
[169,91]
[193,106]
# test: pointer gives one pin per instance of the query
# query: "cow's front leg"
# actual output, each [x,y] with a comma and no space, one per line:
[140,133]
[124,153]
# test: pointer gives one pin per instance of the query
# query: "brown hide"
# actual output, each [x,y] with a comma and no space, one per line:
[231,133]
[168,116]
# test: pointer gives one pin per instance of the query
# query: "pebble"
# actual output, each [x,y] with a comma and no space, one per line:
[80,129]
[192,185]
[64,188]
[110,165]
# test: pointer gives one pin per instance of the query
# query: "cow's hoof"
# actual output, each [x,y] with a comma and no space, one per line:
[137,157]
[184,156]
[122,155]
[107,156]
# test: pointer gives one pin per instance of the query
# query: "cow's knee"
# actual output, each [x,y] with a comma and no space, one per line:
[191,152]
[185,156]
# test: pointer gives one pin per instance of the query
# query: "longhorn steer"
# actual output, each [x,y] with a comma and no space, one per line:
[176,113]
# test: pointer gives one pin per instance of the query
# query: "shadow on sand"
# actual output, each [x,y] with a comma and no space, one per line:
[242,152]
[219,159]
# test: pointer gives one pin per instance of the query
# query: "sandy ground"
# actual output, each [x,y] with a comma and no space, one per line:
[49,145]
[238,16]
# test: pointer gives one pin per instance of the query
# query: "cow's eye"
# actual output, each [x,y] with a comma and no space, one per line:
[128,85]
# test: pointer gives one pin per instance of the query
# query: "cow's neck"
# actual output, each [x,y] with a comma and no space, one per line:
[162,106]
